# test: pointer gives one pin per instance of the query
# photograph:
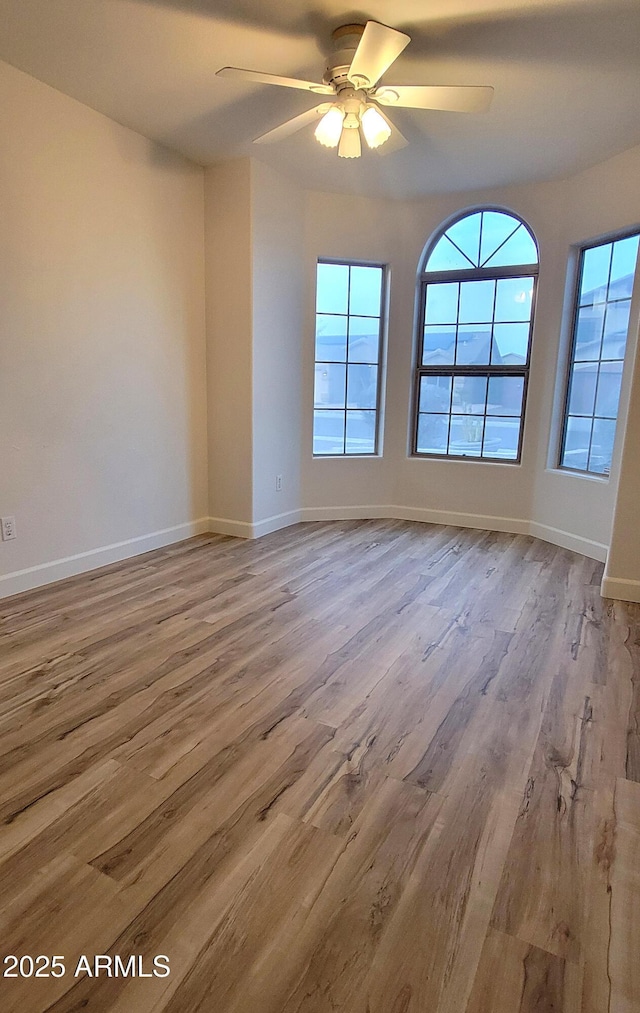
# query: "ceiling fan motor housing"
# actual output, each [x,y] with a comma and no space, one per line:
[346,40]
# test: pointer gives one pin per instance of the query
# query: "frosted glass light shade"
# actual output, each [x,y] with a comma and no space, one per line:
[376,129]
[330,127]
[350,146]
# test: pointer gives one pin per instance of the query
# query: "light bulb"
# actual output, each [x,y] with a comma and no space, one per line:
[375,127]
[330,127]
[350,146]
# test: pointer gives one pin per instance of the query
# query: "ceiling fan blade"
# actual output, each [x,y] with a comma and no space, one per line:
[377,49]
[291,126]
[284,82]
[395,142]
[455,99]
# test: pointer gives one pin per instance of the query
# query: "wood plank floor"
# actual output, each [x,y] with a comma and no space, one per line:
[366,767]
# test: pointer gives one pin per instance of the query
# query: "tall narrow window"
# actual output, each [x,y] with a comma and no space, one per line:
[600,327]
[477,296]
[349,316]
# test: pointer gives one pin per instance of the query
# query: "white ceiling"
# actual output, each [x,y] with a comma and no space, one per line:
[566,75]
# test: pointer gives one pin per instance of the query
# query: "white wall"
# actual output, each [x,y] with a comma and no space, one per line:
[596,202]
[106,378]
[396,233]
[573,510]
[361,229]
[622,572]
[278,340]
[228,239]
[102,348]
[255,336]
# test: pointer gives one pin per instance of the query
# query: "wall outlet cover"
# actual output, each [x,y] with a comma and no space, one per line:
[8,528]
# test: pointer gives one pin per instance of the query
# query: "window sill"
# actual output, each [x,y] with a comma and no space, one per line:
[346,457]
[464,460]
[570,473]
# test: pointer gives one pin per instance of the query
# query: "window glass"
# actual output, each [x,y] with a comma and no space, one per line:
[331,338]
[349,310]
[606,275]
[477,314]
[332,288]
[466,236]
[483,239]
[477,301]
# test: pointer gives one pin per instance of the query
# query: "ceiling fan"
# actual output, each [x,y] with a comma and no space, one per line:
[361,55]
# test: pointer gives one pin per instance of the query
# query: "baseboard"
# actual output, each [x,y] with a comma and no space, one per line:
[623,590]
[567,540]
[485,522]
[345,513]
[81,562]
[404,513]
[276,522]
[246,529]
[58,569]
[224,526]
[457,519]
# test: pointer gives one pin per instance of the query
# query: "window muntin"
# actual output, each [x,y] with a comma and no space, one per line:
[348,356]
[476,316]
[483,239]
[606,274]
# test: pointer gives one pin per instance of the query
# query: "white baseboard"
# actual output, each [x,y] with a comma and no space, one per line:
[567,540]
[486,522]
[58,569]
[224,526]
[345,513]
[276,522]
[427,516]
[81,562]
[246,529]
[623,590]
[457,519]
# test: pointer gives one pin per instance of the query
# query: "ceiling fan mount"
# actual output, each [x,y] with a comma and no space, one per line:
[345,42]
[361,56]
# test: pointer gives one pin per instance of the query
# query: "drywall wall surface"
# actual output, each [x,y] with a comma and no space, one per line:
[365,230]
[278,331]
[229,314]
[623,561]
[102,344]
[536,493]
[596,203]
[395,233]
[605,197]
[622,573]
[487,489]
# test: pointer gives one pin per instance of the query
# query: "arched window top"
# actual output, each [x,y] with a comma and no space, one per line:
[485,240]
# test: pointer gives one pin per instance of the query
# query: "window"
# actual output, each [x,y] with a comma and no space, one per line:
[349,316]
[477,295]
[600,326]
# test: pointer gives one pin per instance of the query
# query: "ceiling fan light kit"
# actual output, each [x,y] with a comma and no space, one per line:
[350,146]
[375,128]
[362,54]
[329,128]
[346,117]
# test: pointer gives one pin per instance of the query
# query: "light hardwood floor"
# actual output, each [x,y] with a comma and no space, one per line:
[366,767]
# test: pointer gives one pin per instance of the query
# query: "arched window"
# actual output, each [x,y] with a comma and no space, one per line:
[477,297]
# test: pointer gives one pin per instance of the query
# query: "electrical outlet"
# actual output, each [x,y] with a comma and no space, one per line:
[8,528]
[278,483]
